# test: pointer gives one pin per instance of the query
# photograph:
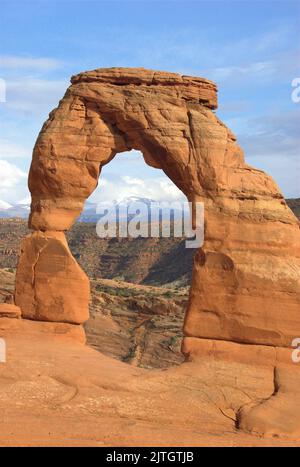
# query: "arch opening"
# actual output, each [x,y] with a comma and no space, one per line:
[139,286]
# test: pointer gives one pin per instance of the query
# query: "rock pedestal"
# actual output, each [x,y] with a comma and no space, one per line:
[50,284]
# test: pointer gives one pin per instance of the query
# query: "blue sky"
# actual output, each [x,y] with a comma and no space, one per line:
[250,48]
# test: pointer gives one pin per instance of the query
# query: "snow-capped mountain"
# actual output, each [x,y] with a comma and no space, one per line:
[124,209]
[4,206]
[92,212]
[17,210]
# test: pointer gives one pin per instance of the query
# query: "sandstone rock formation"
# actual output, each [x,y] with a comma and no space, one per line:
[50,284]
[245,285]
[243,309]
[55,391]
[9,310]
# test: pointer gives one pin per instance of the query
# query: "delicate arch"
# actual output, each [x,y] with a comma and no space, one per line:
[250,232]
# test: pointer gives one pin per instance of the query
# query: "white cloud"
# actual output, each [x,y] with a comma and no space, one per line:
[258,69]
[9,149]
[279,168]
[196,51]
[25,201]
[34,96]
[271,135]
[123,187]
[42,64]
[10,174]
[4,205]
[13,182]
[272,143]
[132,181]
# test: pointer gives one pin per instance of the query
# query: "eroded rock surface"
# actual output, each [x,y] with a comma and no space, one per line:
[51,286]
[9,310]
[140,325]
[245,285]
[55,391]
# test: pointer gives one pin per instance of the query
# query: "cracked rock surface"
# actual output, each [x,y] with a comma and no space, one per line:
[51,286]
[54,390]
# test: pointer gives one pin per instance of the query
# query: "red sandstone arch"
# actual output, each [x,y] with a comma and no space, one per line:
[245,285]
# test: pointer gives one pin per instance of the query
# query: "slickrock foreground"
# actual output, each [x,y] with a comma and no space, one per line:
[8,310]
[54,391]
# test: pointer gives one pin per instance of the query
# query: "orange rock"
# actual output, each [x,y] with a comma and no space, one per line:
[278,414]
[246,284]
[57,331]
[50,285]
[8,310]
[57,392]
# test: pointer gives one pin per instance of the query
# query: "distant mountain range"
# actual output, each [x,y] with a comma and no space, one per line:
[20,210]
[92,212]
[150,260]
